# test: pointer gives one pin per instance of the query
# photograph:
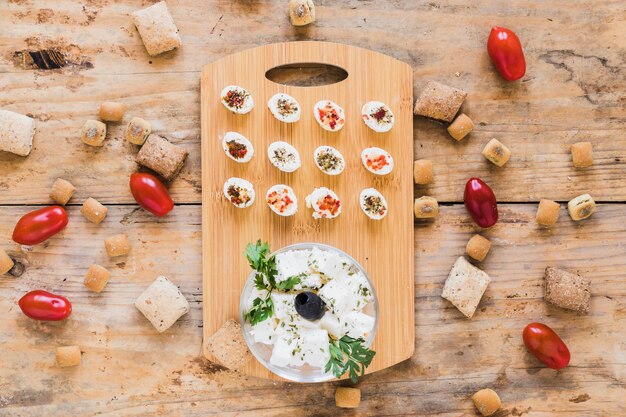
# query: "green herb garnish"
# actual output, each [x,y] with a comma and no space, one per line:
[349,355]
[265,279]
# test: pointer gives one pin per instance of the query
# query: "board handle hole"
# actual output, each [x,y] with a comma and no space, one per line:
[306,74]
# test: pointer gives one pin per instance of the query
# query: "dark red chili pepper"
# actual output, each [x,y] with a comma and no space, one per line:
[506,53]
[480,202]
[42,305]
[546,345]
[151,194]
[39,225]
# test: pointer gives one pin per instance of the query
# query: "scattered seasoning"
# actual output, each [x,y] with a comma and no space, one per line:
[286,107]
[235,98]
[382,115]
[283,156]
[238,195]
[236,149]
[328,203]
[377,163]
[280,201]
[328,161]
[374,204]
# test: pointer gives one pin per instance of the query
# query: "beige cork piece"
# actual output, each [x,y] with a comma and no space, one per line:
[567,290]
[157,29]
[161,156]
[439,101]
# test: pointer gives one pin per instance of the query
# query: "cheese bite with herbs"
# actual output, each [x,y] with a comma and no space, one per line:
[237,99]
[284,108]
[324,202]
[237,147]
[377,116]
[329,115]
[377,161]
[239,192]
[284,156]
[329,160]
[373,203]
[282,200]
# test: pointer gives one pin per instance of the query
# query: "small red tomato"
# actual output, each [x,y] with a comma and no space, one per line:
[42,305]
[506,53]
[546,345]
[151,194]
[39,225]
[480,202]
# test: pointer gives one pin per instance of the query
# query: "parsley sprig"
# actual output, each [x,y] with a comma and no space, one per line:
[265,279]
[349,355]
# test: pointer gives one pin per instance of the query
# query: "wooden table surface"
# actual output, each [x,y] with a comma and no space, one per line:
[573,91]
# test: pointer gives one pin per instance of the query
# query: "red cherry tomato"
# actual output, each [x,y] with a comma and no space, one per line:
[42,305]
[151,194]
[506,53]
[480,202]
[39,225]
[546,345]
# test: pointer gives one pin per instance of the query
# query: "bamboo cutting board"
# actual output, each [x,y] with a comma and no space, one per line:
[384,248]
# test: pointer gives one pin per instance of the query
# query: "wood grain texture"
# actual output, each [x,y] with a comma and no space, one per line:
[128,369]
[383,248]
[573,91]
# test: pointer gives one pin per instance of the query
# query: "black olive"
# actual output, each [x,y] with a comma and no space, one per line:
[310,306]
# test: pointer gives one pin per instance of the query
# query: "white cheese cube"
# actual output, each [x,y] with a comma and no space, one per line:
[317,257]
[315,347]
[309,281]
[332,325]
[338,297]
[360,287]
[334,267]
[264,332]
[281,354]
[284,305]
[357,324]
[291,263]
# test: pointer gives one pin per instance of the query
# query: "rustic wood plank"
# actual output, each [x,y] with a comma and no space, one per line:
[573,90]
[128,369]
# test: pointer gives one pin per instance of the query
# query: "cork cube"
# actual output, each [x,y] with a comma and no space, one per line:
[478,247]
[582,154]
[93,210]
[567,290]
[157,29]
[487,402]
[96,278]
[228,346]
[426,207]
[62,191]
[465,286]
[111,111]
[117,245]
[439,101]
[161,156]
[6,263]
[461,127]
[94,132]
[423,171]
[581,207]
[16,133]
[67,356]
[346,397]
[548,212]
[137,131]
[162,304]
[496,152]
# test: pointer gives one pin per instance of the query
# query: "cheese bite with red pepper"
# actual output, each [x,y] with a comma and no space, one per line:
[329,115]
[282,200]
[239,192]
[237,99]
[377,161]
[284,108]
[377,116]
[373,203]
[324,202]
[237,147]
